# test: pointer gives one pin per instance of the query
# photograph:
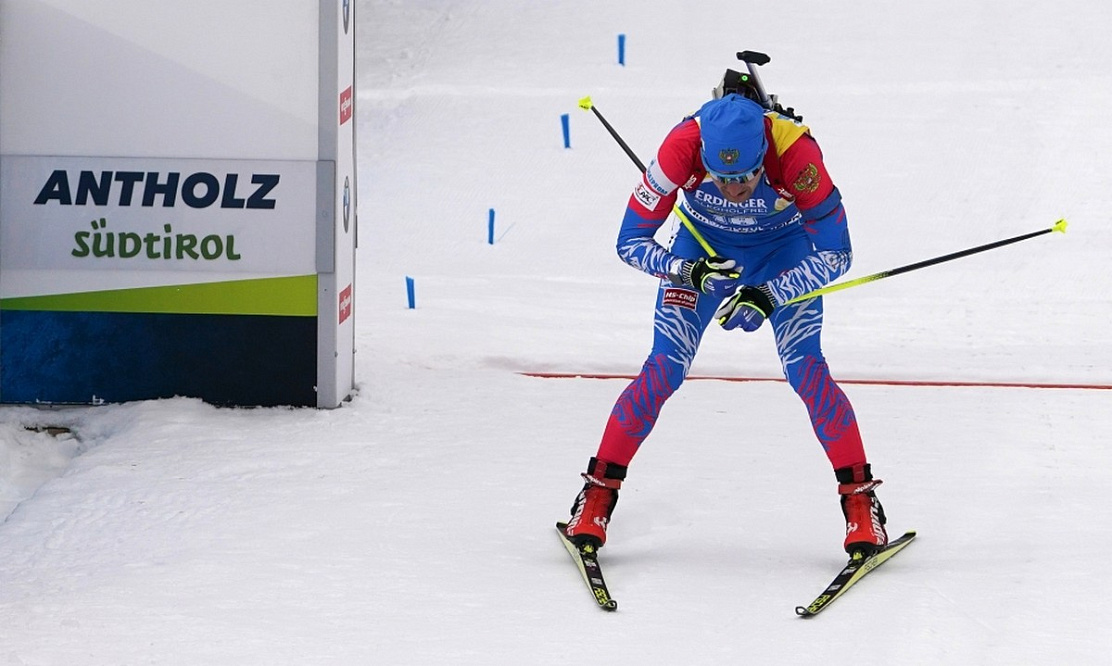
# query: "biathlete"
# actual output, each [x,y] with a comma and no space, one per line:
[757,192]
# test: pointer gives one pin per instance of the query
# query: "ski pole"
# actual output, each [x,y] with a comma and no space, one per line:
[1059,226]
[587,105]
[694,232]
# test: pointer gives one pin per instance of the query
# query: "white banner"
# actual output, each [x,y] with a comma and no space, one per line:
[149,214]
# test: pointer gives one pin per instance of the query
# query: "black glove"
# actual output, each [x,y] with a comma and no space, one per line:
[747,308]
[715,276]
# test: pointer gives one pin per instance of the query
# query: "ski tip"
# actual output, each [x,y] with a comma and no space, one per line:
[610,606]
[803,612]
[586,103]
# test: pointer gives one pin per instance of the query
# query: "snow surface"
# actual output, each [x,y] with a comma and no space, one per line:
[414,524]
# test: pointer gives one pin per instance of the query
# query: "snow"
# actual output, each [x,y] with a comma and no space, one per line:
[414,524]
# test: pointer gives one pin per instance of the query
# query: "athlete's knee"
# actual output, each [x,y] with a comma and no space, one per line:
[638,406]
[808,375]
[662,374]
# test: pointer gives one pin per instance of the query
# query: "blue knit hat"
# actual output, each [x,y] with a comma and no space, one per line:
[733,134]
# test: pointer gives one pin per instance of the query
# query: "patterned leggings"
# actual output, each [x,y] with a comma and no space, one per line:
[678,329]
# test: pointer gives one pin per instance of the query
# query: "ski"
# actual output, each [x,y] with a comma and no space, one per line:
[855,570]
[586,558]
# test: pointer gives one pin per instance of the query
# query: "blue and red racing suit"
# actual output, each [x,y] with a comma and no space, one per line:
[791,235]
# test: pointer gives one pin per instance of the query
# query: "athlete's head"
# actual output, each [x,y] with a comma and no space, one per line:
[733,144]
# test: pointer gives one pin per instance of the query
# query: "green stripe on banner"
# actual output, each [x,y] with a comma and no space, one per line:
[287,296]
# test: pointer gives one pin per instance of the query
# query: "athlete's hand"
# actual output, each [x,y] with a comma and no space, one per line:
[715,276]
[747,308]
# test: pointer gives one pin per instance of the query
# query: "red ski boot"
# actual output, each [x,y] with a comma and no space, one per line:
[591,512]
[865,533]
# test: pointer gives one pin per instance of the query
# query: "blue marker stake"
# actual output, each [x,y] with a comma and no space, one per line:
[622,50]
[564,119]
[490,227]
[409,292]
